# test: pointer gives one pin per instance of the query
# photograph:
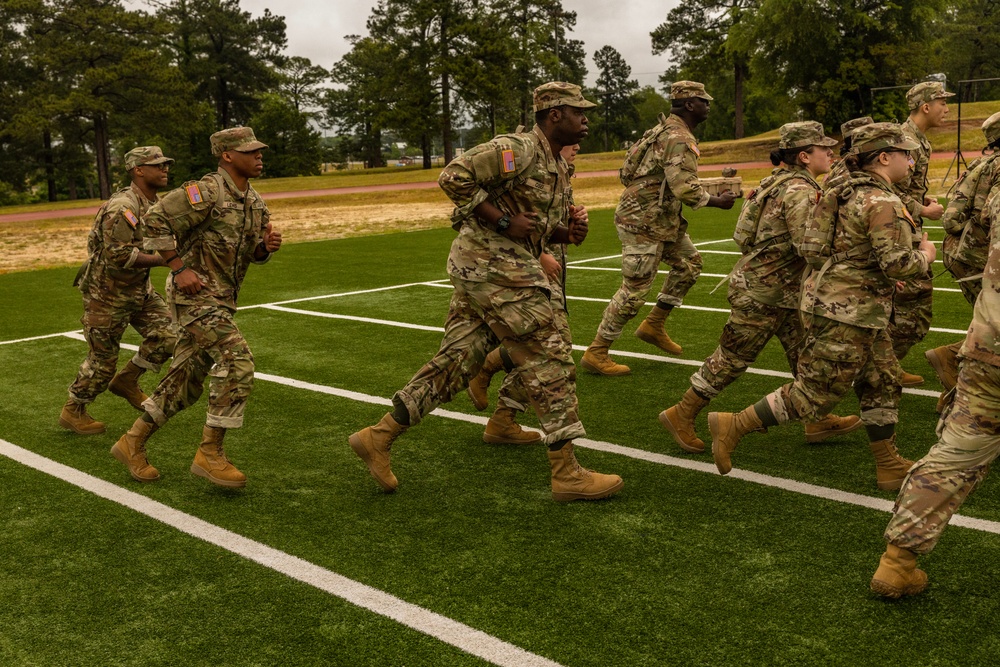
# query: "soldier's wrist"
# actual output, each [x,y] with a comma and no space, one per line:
[174,272]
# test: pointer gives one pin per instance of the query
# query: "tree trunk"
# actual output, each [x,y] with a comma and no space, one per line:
[71,186]
[222,105]
[425,146]
[449,147]
[50,168]
[738,75]
[101,153]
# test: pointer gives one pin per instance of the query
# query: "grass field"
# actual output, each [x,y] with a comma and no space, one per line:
[470,557]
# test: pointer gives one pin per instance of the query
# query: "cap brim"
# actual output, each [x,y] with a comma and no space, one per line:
[586,104]
[159,160]
[251,147]
[827,141]
[907,145]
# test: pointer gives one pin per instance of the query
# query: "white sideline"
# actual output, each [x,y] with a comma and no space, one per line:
[464,637]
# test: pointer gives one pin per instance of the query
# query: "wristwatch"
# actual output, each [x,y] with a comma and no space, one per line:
[503,224]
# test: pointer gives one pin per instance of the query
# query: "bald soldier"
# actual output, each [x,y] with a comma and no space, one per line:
[660,176]
[912,303]
[208,233]
[117,293]
[511,201]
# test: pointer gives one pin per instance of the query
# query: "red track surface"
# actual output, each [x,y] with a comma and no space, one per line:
[424,185]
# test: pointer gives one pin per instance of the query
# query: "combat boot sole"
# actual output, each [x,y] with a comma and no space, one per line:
[669,425]
[100,427]
[207,474]
[591,367]
[501,440]
[886,589]
[361,450]
[569,496]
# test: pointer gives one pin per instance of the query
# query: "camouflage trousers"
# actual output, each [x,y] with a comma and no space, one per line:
[512,392]
[835,357]
[911,314]
[938,484]
[482,316]
[210,345]
[103,327]
[750,326]
[640,263]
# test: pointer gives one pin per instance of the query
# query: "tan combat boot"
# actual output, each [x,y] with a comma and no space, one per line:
[596,359]
[679,421]
[890,467]
[131,451]
[480,386]
[502,429]
[727,429]
[125,383]
[652,330]
[571,481]
[831,425]
[75,418]
[944,361]
[210,460]
[373,444]
[911,380]
[897,574]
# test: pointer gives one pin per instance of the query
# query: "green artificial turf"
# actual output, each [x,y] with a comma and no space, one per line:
[681,568]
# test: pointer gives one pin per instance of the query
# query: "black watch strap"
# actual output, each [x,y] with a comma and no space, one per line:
[503,224]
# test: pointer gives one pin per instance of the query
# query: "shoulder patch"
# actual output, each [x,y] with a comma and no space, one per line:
[909,218]
[130,217]
[507,162]
[193,193]
[694,148]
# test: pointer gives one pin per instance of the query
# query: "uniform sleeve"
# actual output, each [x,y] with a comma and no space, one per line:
[468,178]
[265,218]
[904,189]
[118,232]
[798,203]
[891,238]
[680,169]
[171,219]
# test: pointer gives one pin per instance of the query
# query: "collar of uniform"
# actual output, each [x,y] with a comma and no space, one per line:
[228,180]
[551,163]
[802,172]
[909,126]
[675,121]
[138,193]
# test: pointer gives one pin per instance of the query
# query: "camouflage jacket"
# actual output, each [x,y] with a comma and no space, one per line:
[968,229]
[983,340]
[650,207]
[774,275]
[114,243]
[517,173]
[859,291]
[912,189]
[215,233]
[837,175]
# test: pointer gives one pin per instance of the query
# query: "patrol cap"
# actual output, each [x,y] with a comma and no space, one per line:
[682,90]
[880,135]
[801,134]
[143,155]
[991,128]
[240,139]
[559,93]
[925,92]
[848,128]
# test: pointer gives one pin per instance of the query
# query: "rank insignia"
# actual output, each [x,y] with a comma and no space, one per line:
[194,194]
[507,162]
[694,149]
[130,218]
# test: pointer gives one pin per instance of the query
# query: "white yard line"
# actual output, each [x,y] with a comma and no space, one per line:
[459,635]
[25,340]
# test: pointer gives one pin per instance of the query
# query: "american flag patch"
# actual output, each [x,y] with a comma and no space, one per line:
[507,162]
[694,149]
[194,193]
[130,218]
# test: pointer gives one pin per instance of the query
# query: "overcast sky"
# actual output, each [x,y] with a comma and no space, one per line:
[316,29]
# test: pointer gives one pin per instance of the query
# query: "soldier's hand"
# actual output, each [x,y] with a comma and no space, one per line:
[578,230]
[933,211]
[928,248]
[551,266]
[272,238]
[725,200]
[188,282]
[521,225]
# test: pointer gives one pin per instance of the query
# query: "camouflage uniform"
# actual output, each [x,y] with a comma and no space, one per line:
[215,229]
[839,173]
[765,286]
[652,229]
[913,305]
[969,429]
[502,295]
[117,294]
[848,311]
